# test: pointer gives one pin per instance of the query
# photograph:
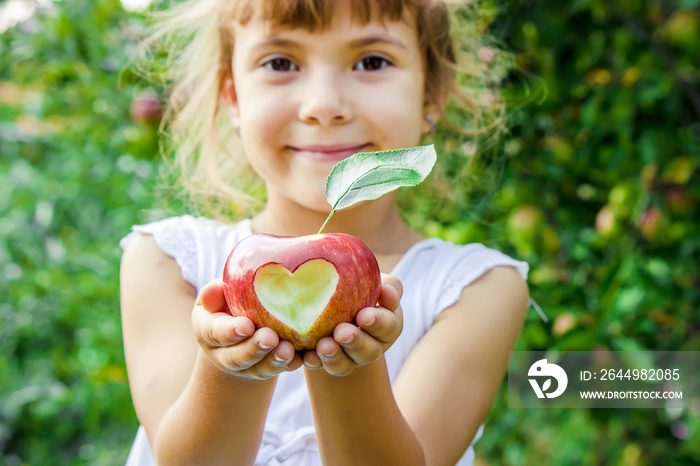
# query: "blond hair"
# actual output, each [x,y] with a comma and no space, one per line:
[190,52]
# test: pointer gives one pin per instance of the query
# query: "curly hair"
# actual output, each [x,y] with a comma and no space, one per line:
[192,46]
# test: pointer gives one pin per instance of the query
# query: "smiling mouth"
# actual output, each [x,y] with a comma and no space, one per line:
[330,153]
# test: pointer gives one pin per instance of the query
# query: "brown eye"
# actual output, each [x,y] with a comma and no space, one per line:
[372,63]
[280,64]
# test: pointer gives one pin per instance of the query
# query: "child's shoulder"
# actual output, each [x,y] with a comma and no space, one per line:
[199,245]
[185,228]
[187,222]
[459,258]
[442,269]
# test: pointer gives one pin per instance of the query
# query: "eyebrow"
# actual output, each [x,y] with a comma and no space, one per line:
[276,42]
[357,43]
[378,39]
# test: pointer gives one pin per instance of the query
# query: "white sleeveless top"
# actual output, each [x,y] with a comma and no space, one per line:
[433,273]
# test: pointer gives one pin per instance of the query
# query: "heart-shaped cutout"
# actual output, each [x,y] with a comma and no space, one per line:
[296,299]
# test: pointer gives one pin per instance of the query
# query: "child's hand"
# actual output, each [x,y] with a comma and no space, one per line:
[351,345]
[232,343]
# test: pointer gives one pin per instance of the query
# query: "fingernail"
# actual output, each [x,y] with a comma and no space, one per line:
[309,366]
[328,357]
[370,322]
[264,347]
[280,361]
[239,333]
[348,340]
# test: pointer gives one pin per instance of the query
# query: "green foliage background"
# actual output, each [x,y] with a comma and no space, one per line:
[599,192]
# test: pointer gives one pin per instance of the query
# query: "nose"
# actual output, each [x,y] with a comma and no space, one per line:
[324,99]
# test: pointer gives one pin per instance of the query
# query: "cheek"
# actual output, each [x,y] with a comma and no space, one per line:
[399,123]
[398,109]
[262,118]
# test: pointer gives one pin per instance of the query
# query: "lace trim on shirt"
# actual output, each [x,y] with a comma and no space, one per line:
[471,265]
[177,240]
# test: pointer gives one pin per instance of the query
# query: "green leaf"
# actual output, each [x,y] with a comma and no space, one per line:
[370,175]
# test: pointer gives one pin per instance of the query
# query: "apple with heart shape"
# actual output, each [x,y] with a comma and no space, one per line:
[301,286]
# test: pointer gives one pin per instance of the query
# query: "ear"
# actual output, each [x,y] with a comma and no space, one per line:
[228,93]
[432,110]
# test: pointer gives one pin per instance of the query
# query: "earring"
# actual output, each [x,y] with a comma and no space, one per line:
[431,122]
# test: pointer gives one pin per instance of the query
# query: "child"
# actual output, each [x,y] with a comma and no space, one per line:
[306,84]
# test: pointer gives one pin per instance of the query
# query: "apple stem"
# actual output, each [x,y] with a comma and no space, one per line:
[326,222]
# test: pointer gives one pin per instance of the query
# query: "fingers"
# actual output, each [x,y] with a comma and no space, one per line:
[220,329]
[341,359]
[256,361]
[382,324]
[283,358]
[211,297]
[351,346]
[247,352]
[312,360]
[257,358]
[358,345]
[330,356]
[391,292]
[235,347]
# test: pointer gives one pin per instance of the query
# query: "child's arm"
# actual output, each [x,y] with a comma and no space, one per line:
[443,393]
[193,411]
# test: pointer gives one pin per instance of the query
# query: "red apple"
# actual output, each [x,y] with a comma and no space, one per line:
[679,200]
[146,108]
[653,223]
[301,287]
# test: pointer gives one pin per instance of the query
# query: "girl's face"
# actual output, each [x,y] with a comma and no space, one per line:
[304,101]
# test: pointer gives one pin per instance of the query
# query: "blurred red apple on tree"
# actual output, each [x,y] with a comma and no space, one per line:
[146,108]
[679,200]
[301,287]
[654,225]
[607,223]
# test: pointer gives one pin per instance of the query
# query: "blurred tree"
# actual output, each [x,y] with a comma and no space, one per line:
[75,169]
